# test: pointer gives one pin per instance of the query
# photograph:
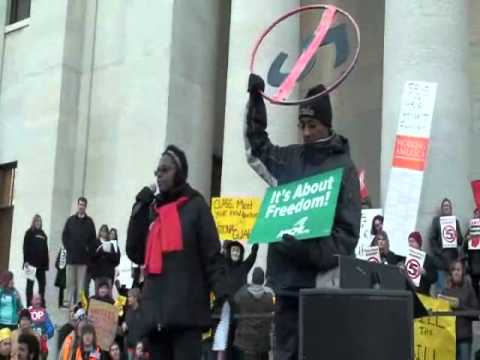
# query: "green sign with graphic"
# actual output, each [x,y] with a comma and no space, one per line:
[304,209]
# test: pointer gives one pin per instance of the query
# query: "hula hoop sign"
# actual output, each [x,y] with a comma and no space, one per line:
[327,20]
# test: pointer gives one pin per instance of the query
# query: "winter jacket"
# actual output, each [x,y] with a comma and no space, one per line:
[473,257]
[10,306]
[35,249]
[103,263]
[237,272]
[71,351]
[253,332]
[79,239]
[60,265]
[443,257]
[62,334]
[467,301]
[179,296]
[42,325]
[297,265]
[429,277]
[133,319]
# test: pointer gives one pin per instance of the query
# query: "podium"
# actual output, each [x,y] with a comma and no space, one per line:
[370,316]
[356,324]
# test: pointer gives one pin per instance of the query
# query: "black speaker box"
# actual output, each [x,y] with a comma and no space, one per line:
[339,324]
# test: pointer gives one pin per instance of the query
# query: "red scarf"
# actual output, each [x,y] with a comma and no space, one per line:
[165,236]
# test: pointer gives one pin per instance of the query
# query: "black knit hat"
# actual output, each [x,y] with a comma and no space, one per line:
[258,276]
[319,108]
[180,160]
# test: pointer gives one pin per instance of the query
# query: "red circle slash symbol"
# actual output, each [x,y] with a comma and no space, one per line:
[373,259]
[450,233]
[413,268]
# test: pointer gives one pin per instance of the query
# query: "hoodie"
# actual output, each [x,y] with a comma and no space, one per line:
[237,271]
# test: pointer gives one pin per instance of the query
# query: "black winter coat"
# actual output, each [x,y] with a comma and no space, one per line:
[103,263]
[297,265]
[179,297]
[78,239]
[443,257]
[430,276]
[473,257]
[35,249]
[237,272]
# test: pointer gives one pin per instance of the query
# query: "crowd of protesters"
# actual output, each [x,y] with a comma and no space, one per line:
[190,297]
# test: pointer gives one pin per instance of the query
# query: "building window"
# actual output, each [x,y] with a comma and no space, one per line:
[18,10]
[7,179]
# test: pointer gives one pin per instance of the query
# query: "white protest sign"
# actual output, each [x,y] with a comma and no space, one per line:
[414,265]
[371,254]
[409,162]
[474,240]
[448,229]
[365,236]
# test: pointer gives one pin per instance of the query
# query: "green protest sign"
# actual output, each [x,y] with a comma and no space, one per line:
[304,209]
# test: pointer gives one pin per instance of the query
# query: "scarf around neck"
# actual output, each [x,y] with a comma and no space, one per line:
[165,235]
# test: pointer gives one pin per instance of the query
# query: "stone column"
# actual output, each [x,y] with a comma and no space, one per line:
[357,103]
[248,19]
[427,41]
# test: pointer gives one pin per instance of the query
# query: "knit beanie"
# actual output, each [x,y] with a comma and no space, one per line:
[417,236]
[319,108]
[180,160]
[258,276]
[5,334]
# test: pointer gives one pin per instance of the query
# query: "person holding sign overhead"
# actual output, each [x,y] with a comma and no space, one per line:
[443,253]
[293,264]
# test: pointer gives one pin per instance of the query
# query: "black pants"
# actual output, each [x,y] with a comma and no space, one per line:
[286,328]
[176,345]
[61,297]
[41,279]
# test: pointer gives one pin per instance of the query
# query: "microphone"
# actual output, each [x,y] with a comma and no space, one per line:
[139,203]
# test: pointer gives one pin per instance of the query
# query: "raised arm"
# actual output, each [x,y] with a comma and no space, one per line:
[264,158]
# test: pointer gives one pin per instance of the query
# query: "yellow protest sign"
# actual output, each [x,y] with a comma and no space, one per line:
[235,217]
[435,335]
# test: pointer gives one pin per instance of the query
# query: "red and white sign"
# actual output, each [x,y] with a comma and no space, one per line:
[410,155]
[363,185]
[414,265]
[448,228]
[474,241]
[372,254]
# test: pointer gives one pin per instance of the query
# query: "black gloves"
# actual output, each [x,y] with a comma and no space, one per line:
[255,84]
[145,196]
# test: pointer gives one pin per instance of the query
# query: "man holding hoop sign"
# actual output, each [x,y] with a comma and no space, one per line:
[293,264]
